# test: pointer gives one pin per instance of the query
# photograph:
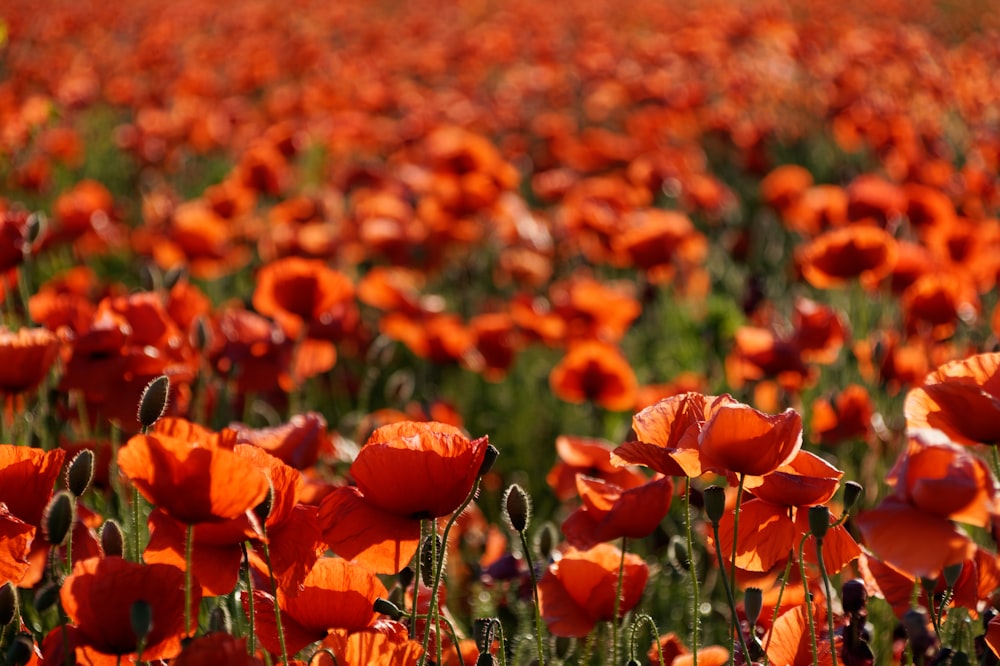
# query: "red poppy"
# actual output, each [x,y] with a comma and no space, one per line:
[26,355]
[405,473]
[610,512]
[856,251]
[27,477]
[578,590]
[789,643]
[98,598]
[335,595]
[820,331]
[845,416]
[738,438]
[591,457]
[992,636]
[217,648]
[759,353]
[251,351]
[597,372]
[937,302]
[297,443]
[666,436]
[961,398]
[594,310]
[192,479]
[374,648]
[784,185]
[870,196]
[14,242]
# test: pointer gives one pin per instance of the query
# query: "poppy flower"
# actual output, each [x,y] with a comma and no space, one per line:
[578,590]
[819,208]
[26,355]
[845,416]
[784,185]
[938,302]
[591,457]
[857,251]
[759,352]
[992,636]
[14,241]
[740,439]
[820,331]
[297,443]
[374,648]
[27,476]
[788,641]
[98,598]
[666,436]
[217,648]
[335,595]
[406,472]
[594,310]
[251,351]
[870,196]
[961,398]
[610,512]
[597,372]
[192,480]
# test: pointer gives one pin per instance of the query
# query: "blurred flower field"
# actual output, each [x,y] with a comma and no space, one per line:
[499,332]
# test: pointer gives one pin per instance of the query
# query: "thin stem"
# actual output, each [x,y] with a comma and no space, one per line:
[416,583]
[730,596]
[641,619]
[274,591]
[503,643]
[188,565]
[618,600]
[732,564]
[696,614]
[829,599]
[454,639]
[438,565]
[808,600]
[250,602]
[995,459]
[534,599]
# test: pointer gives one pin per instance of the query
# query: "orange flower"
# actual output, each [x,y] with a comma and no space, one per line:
[217,648]
[581,455]
[297,443]
[610,512]
[98,598]
[374,648]
[598,372]
[14,243]
[738,438]
[405,473]
[27,477]
[25,358]
[846,416]
[306,298]
[335,595]
[578,590]
[856,251]
[961,398]
[192,479]
[939,301]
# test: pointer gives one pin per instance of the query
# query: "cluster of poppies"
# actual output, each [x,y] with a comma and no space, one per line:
[319,245]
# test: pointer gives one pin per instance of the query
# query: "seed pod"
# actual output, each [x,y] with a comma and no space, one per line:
[80,472]
[819,521]
[153,402]
[715,503]
[60,514]
[517,508]
[385,607]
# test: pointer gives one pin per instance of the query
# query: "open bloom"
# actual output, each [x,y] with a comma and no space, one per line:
[610,512]
[27,476]
[406,472]
[578,590]
[961,398]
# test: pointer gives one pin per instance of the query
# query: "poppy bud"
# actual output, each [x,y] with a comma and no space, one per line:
[80,472]
[59,517]
[852,493]
[715,503]
[46,596]
[399,386]
[428,566]
[959,659]
[386,607]
[489,459]
[141,617]
[517,508]
[951,574]
[819,521]
[484,629]
[485,659]
[405,577]
[753,601]
[220,620]
[34,225]
[854,595]
[263,510]
[112,540]
[153,402]
[545,541]
[21,650]
[8,603]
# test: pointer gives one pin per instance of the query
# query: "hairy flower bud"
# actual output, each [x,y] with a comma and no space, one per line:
[153,402]
[517,508]
[80,472]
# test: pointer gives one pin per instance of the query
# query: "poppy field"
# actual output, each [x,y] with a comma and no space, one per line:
[499,332]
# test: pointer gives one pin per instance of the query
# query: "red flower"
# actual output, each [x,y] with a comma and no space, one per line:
[598,372]
[610,512]
[27,477]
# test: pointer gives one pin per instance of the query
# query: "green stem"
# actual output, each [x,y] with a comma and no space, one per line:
[188,576]
[995,459]
[641,619]
[534,599]
[618,600]
[250,602]
[503,642]
[274,591]
[416,582]
[808,600]
[731,597]
[696,615]
[829,600]
[438,565]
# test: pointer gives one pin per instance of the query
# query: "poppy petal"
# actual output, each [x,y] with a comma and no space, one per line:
[358,531]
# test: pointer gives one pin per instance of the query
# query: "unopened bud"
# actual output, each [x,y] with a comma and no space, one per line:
[21,650]
[8,603]
[854,595]
[951,574]
[34,226]
[517,508]
[819,521]
[59,517]
[484,629]
[173,276]
[153,402]
[485,659]
[141,617]
[679,553]
[112,540]
[385,607]
[545,541]
[489,459]
[431,548]
[405,577]
[852,493]
[46,596]
[753,600]
[715,503]
[263,510]
[80,472]
[220,620]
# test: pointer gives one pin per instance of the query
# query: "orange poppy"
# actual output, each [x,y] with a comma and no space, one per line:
[784,185]
[870,196]
[596,372]
[738,438]
[98,598]
[961,398]
[251,351]
[14,242]
[594,310]
[820,331]
[937,302]
[335,595]
[67,300]
[666,436]
[497,342]
[652,239]
[297,443]
[306,298]
[373,648]
[26,355]
[788,642]
[192,479]
[758,353]
[592,457]
[217,648]
[819,208]
[406,472]
[857,251]
[578,590]
[27,476]
[845,416]
[610,512]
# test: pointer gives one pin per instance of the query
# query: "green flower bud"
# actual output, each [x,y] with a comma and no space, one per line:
[60,514]
[819,521]
[715,503]
[386,607]
[21,650]
[153,402]
[80,472]
[489,459]
[517,508]
[951,574]
[8,603]
[852,493]
[753,600]
[545,541]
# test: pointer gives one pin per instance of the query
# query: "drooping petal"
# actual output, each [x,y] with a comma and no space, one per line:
[358,531]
